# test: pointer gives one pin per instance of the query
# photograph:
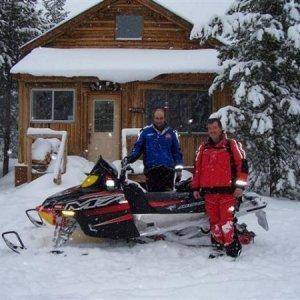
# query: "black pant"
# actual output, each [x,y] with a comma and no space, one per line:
[159,179]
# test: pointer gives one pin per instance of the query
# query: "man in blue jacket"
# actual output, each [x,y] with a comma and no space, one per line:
[161,153]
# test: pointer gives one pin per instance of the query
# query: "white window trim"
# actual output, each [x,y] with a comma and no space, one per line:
[51,120]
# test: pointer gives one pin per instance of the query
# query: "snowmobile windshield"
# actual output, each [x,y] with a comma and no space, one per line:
[104,167]
[103,175]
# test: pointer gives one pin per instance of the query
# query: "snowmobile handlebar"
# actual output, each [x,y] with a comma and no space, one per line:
[125,168]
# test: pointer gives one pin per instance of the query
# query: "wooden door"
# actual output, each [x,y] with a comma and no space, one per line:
[104,126]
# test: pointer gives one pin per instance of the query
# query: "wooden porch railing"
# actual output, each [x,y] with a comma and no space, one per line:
[61,160]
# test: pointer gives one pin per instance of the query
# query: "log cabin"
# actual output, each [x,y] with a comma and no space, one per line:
[108,68]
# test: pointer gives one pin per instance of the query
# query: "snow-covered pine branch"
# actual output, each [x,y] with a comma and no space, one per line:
[55,11]
[260,60]
[20,22]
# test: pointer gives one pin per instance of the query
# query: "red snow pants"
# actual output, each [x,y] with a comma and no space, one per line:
[220,211]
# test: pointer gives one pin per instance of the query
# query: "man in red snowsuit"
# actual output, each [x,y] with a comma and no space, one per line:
[221,174]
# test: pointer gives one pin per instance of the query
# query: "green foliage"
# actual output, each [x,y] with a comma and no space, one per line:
[260,58]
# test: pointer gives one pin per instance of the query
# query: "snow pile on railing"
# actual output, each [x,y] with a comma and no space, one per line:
[41,148]
[61,158]
[125,133]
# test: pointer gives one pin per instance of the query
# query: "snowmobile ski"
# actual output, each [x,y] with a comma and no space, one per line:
[38,222]
[262,219]
[216,254]
[11,245]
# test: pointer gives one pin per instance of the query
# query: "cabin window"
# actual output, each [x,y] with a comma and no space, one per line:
[52,105]
[187,111]
[129,27]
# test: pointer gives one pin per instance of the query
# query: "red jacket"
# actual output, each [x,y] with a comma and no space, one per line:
[221,165]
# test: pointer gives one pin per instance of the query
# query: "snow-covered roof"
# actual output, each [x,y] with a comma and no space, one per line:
[194,11]
[197,12]
[117,65]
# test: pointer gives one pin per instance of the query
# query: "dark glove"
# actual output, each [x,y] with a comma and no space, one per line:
[178,176]
[125,161]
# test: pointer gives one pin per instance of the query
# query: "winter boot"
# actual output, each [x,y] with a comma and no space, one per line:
[217,249]
[234,249]
[244,235]
[216,245]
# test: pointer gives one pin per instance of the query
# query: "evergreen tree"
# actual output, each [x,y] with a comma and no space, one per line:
[19,23]
[55,12]
[261,62]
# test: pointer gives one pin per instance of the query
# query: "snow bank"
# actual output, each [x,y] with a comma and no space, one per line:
[116,65]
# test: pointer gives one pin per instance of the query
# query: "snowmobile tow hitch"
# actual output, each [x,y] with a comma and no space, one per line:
[16,247]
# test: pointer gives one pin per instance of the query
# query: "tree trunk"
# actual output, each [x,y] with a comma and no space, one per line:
[7,126]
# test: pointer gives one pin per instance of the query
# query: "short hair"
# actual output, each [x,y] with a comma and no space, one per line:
[213,120]
[159,109]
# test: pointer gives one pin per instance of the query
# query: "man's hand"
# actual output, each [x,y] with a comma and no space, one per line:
[125,161]
[178,176]
[196,194]
[238,193]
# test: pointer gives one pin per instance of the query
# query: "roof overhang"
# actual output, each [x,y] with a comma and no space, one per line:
[116,65]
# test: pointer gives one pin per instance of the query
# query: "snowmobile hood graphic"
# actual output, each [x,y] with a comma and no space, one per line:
[106,205]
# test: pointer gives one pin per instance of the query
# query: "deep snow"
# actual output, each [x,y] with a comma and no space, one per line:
[267,269]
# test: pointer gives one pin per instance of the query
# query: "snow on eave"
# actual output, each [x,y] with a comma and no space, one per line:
[116,65]
[174,11]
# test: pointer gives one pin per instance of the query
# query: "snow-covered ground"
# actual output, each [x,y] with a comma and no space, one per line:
[267,269]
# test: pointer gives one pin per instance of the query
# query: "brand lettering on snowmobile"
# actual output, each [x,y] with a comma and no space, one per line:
[190,205]
[185,206]
[94,202]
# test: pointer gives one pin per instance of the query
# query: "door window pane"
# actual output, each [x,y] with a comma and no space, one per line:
[104,116]
[63,105]
[129,27]
[187,111]
[41,105]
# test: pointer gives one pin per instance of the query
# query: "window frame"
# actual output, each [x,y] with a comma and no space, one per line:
[52,120]
[127,38]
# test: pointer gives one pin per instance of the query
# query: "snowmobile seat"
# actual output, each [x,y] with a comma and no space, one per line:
[161,196]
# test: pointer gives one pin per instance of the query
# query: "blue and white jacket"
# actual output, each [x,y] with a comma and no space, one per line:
[158,148]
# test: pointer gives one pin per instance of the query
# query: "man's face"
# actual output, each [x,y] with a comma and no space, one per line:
[159,119]
[214,131]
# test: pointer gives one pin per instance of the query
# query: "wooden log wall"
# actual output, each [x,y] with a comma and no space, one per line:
[132,113]
[77,130]
[99,30]
[133,98]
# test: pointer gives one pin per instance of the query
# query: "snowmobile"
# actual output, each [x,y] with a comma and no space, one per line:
[106,205]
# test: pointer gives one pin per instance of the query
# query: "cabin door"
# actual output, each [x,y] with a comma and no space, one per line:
[104,127]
